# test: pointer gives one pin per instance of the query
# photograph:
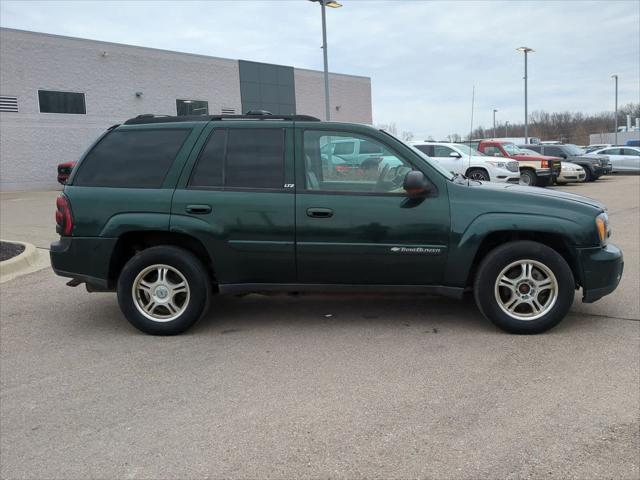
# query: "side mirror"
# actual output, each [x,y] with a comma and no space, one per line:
[455,155]
[415,183]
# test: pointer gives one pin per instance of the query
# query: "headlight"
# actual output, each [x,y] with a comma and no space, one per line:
[498,164]
[602,226]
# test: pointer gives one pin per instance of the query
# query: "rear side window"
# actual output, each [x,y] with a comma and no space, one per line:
[426,149]
[241,158]
[131,158]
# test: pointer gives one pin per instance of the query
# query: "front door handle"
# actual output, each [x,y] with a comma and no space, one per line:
[319,212]
[198,209]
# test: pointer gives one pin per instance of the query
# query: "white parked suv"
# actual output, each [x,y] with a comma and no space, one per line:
[460,158]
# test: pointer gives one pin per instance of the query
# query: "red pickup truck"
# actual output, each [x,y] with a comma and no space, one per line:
[535,170]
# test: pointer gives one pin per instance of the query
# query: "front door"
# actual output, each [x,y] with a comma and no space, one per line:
[358,226]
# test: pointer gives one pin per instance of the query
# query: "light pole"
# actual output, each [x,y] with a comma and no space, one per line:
[526,50]
[615,77]
[506,126]
[330,4]
[494,122]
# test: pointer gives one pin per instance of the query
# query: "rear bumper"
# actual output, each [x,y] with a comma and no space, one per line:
[84,259]
[601,269]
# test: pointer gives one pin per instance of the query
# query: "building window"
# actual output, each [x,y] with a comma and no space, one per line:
[61,102]
[192,107]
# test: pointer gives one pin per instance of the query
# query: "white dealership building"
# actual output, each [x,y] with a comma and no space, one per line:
[57,94]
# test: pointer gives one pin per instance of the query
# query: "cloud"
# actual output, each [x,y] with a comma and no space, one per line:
[423,57]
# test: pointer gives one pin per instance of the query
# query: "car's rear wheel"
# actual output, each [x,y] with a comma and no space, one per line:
[478,174]
[163,290]
[528,178]
[524,287]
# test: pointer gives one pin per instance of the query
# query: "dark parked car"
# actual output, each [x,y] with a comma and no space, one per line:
[64,170]
[594,165]
[170,210]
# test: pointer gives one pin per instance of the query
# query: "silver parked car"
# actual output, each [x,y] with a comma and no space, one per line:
[623,159]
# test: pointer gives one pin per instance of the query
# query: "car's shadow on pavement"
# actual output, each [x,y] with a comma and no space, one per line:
[308,313]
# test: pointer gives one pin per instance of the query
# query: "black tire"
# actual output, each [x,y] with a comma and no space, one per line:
[192,307]
[528,177]
[589,176]
[499,259]
[478,174]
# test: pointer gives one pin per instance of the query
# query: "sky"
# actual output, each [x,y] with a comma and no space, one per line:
[423,57]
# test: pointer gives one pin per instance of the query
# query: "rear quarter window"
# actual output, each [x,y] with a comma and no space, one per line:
[131,158]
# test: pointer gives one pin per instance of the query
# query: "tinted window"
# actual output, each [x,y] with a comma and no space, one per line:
[131,158]
[426,149]
[255,158]
[209,169]
[630,151]
[370,147]
[192,107]
[535,148]
[343,148]
[61,102]
[441,151]
[553,151]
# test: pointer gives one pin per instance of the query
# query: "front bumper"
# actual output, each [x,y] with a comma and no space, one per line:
[601,269]
[86,259]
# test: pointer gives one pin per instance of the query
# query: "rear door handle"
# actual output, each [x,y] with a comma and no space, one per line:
[198,209]
[319,212]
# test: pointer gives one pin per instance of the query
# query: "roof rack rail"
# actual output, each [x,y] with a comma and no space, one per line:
[251,115]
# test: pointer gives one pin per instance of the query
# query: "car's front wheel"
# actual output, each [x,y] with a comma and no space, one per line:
[524,287]
[163,290]
[478,174]
[528,178]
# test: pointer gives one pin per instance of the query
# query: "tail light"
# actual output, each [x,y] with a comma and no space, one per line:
[64,216]
[545,164]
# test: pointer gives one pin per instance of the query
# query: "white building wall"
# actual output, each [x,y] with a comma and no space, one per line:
[33,143]
[349,96]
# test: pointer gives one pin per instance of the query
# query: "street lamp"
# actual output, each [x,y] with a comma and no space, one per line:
[615,77]
[330,4]
[494,122]
[525,50]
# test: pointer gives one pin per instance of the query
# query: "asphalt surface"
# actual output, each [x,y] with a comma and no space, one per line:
[347,386]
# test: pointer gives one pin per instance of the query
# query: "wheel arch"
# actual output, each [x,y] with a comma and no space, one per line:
[131,242]
[556,241]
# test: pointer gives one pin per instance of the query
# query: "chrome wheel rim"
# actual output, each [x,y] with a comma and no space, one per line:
[161,293]
[526,290]
[525,180]
[478,176]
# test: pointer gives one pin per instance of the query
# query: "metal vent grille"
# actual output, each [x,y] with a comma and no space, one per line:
[228,111]
[8,104]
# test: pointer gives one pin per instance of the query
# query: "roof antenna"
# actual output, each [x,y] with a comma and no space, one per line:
[473,98]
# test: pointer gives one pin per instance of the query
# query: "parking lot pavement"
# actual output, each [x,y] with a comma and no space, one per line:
[322,385]
[28,217]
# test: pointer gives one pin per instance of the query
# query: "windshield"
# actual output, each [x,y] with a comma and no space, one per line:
[511,149]
[467,150]
[574,149]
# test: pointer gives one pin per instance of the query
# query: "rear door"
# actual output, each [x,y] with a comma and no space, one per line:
[362,228]
[442,155]
[236,196]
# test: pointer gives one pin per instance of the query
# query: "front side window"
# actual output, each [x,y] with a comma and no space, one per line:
[383,173]
[553,151]
[441,151]
[131,158]
[61,102]
[511,148]
[241,158]
[192,107]
[493,151]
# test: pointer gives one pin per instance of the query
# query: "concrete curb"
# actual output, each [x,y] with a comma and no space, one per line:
[25,262]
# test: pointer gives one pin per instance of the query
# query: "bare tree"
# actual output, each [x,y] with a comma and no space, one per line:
[407,136]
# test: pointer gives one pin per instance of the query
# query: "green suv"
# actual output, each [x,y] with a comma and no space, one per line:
[168,211]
